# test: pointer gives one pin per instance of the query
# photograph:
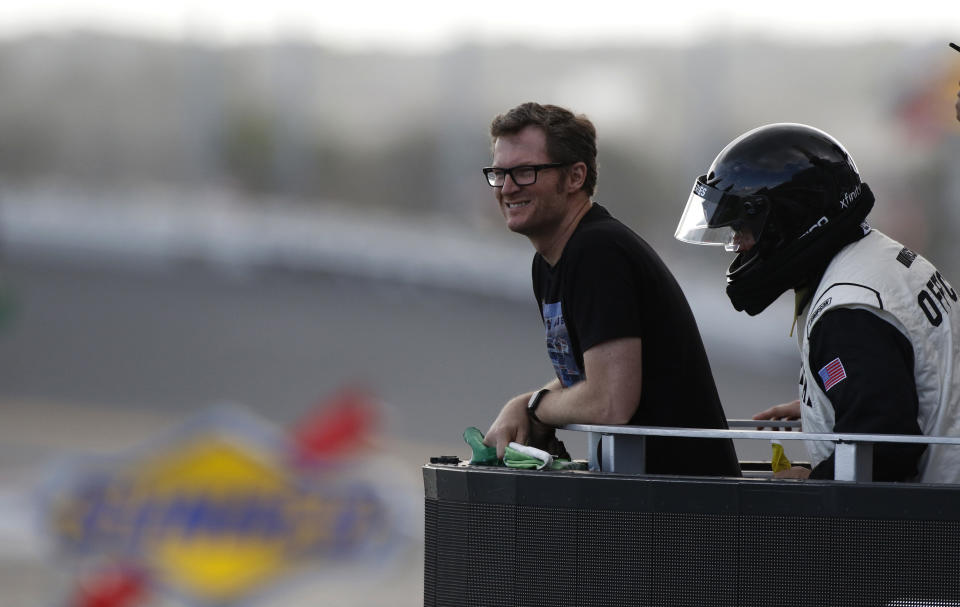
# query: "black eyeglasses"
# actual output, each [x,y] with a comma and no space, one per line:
[521,175]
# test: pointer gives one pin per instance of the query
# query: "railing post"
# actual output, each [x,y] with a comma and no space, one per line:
[853,461]
[593,447]
[608,456]
[623,453]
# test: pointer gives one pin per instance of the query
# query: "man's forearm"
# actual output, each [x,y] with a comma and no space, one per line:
[578,404]
[609,393]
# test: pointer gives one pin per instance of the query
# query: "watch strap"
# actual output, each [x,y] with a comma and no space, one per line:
[534,402]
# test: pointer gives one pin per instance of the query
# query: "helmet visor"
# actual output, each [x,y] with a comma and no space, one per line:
[713,217]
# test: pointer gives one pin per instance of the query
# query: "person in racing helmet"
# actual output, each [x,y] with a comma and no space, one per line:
[878,326]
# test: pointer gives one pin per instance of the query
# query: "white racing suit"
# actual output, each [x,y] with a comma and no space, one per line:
[861,375]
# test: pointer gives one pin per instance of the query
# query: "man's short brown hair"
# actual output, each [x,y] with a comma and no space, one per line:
[570,138]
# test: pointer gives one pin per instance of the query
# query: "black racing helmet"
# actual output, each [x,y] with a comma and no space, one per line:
[786,198]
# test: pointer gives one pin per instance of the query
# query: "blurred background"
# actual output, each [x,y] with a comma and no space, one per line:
[212,203]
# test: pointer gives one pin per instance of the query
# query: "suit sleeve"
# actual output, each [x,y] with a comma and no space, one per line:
[865,367]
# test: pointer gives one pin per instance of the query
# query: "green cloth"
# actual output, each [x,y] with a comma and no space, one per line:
[515,455]
[482,454]
[528,459]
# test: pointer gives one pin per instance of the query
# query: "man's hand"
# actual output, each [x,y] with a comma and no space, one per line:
[793,472]
[513,424]
[785,412]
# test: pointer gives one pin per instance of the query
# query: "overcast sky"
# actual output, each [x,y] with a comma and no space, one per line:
[430,24]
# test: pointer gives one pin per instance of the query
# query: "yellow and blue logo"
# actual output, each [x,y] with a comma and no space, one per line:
[217,511]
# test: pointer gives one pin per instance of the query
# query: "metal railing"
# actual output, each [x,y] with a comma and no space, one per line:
[623,448]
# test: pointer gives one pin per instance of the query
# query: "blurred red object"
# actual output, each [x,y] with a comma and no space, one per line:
[337,426]
[927,108]
[120,586]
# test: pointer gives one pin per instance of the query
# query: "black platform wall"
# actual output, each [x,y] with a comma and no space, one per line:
[514,538]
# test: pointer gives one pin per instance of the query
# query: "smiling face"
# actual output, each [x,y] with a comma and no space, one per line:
[538,209]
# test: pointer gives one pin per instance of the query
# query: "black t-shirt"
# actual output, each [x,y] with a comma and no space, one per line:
[610,284]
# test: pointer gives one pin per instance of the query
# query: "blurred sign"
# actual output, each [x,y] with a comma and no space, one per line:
[218,509]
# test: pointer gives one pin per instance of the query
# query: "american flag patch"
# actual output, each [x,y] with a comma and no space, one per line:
[832,374]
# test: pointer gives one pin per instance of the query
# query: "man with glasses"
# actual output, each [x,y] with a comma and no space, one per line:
[622,339]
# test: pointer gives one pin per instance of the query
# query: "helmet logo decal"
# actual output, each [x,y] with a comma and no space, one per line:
[850,196]
[700,190]
[820,223]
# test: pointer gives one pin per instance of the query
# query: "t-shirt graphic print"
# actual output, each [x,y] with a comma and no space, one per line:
[558,345]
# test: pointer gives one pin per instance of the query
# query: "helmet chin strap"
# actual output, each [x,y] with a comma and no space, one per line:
[753,283]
